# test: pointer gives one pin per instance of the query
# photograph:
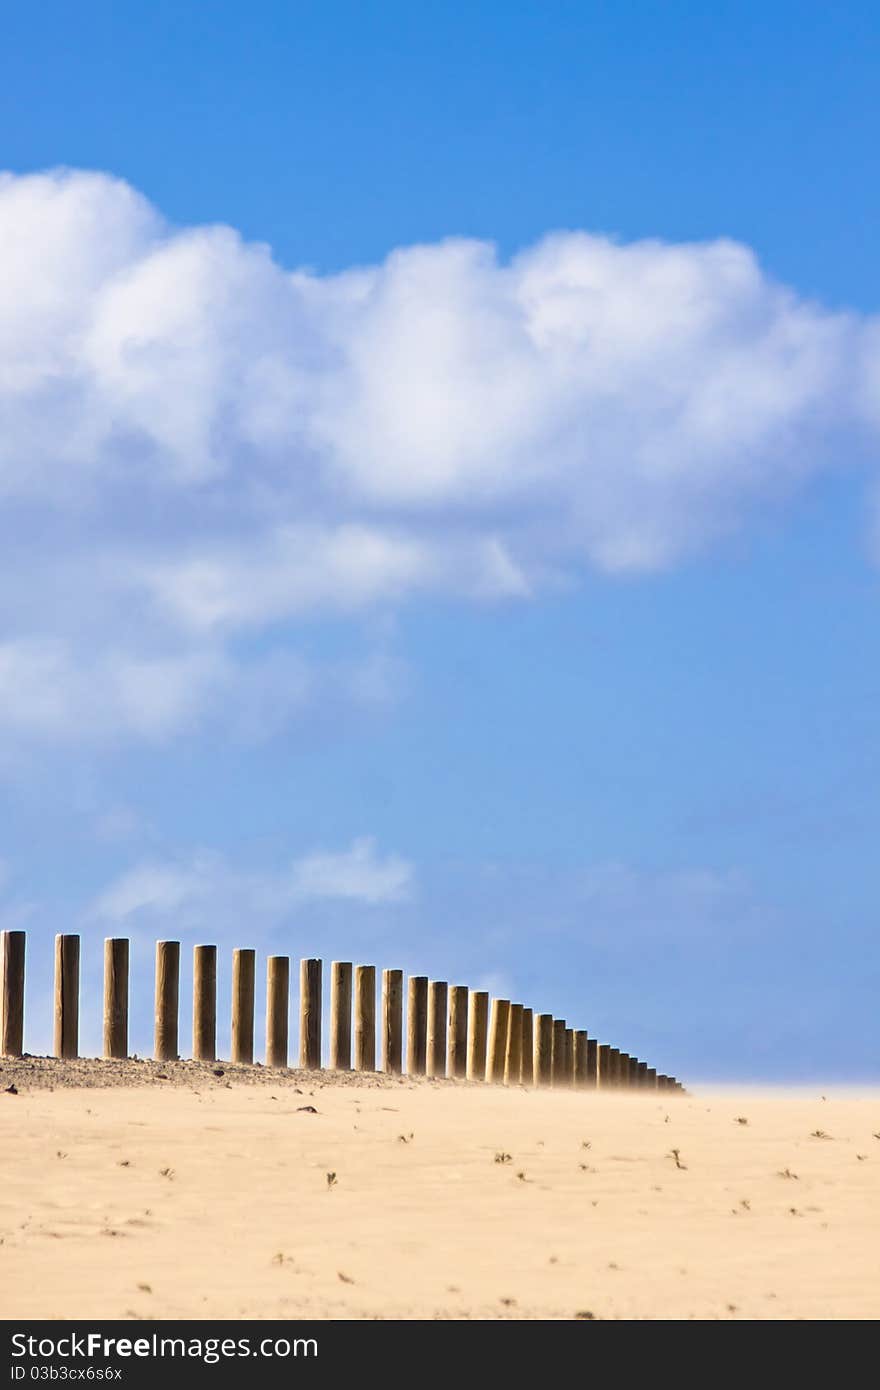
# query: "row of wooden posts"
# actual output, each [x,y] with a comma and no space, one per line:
[451,1030]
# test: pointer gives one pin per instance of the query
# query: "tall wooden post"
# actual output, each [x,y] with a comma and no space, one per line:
[592,1063]
[513,1048]
[580,1059]
[643,1074]
[277,1010]
[528,1048]
[340,1015]
[559,1073]
[498,1018]
[651,1078]
[458,1031]
[12,994]
[602,1071]
[544,1050]
[310,974]
[204,1044]
[392,1021]
[66,996]
[115,997]
[623,1080]
[244,965]
[417,1025]
[569,1057]
[436,1055]
[478,1024]
[614,1066]
[365,1018]
[167,1000]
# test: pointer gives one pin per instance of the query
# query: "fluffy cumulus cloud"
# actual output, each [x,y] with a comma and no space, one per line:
[201,449]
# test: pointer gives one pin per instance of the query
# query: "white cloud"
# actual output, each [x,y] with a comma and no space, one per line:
[357,873]
[205,889]
[199,443]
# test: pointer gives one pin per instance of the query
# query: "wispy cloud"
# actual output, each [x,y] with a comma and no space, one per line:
[204,888]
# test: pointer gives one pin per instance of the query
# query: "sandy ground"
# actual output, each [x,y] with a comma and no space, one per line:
[201,1196]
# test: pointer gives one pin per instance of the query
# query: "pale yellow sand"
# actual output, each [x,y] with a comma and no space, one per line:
[214,1202]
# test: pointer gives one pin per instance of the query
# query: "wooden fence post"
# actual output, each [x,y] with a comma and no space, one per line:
[513,1047]
[115,997]
[569,1057]
[543,1066]
[310,974]
[277,1010]
[12,1000]
[436,1053]
[392,1021]
[365,1018]
[167,1000]
[602,1075]
[417,1025]
[528,1048]
[614,1066]
[580,1059]
[458,1031]
[633,1072]
[559,1074]
[478,1022]
[244,962]
[66,996]
[498,1018]
[592,1063]
[340,1015]
[623,1065]
[651,1078]
[643,1074]
[204,1041]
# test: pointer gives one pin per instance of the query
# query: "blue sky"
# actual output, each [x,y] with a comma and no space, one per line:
[438,505]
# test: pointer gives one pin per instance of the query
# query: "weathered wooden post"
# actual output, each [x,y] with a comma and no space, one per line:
[417,1025]
[528,1048]
[12,998]
[543,1064]
[340,1015]
[569,1057]
[592,1063]
[277,1010]
[478,1023]
[310,975]
[580,1059]
[392,1021]
[66,996]
[651,1078]
[560,1077]
[623,1071]
[244,966]
[436,1049]
[365,1018]
[204,1044]
[643,1074]
[513,1046]
[167,1000]
[633,1072]
[115,998]
[602,1076]
[458,1030]
[614,1066]
[498,1019]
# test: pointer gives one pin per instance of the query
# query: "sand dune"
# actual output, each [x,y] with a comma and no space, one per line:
[205,1197]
